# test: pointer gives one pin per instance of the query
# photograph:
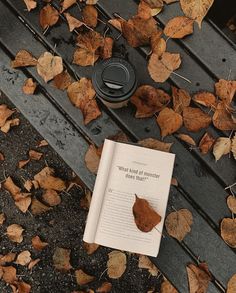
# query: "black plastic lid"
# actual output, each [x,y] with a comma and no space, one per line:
[114,80]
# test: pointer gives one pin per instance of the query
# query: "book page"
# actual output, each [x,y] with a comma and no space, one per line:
[98,192]
[141,171]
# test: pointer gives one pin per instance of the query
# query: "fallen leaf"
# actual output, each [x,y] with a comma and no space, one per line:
[90,15]
[138,31]
[24,258]
[42,143]
[38,244]
[222,118]
[48,16]
[158,46]
[46,180]
[4,259]
[28,185]
[174,181]
[198,278]
[10,123]
[231,286]
[62,80]
[5,113]
[66,4]
[155,144]
[10,186]
[161,67]
[33,263]
[145,263]
[89,44]
[51,197]
[149,100]
[117,23]
[2,218]
[146,9]
[179,27]
[82,278]
[225,90]
[90,247]
[29,86]
[24,202]
[1,157]
[23,163]
[221,147]
[195,119]
[186,138]
[145,217]
[23,58]
[116,264]
[106,50]
[36,156]
[181,99]
[206,143]
[49,66]
[86,200]
[23,287]
[178,224]
[169,121]
[233,146]
[37,207]
[231,202]
[35,184]
[73,22]
[196,10]
[228,231]
[9,275]
[166,287]
[91,2]
[205,98]
[61,259]
[14,233]
[30,4]
[92,159]
[105,287]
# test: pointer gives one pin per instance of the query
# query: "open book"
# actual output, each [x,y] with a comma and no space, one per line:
[126,170]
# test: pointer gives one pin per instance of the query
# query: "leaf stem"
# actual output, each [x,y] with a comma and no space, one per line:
[181,76]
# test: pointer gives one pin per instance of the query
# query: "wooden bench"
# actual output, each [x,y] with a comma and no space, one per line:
[207,56]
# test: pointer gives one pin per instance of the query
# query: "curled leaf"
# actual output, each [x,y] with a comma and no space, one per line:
[82,278]
[179,27]
[116,264]
[198,278]
[169,121]
[38,244]
[29,87]
[155,144]
[195,119]
[221,147]
[181,99]
[186,138]
[228,231]
[30,4]
[106,50]
[5,113]
[206,143]
[36,156]
[73,22]
[23,58]
[10,123]
[48,16]
[205,98]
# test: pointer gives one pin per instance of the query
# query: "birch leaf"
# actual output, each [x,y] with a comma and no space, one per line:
[206,143]
[228,231]
[195,119]
[116,264]
[166,287]
[14,233]
[155,144]
[29,86]
[82,278]
[38,244]
[24,258]
[169,121]
[61,259]
[231,202]
[198,278]
[48,16]
[186,138]
[30,4]
[231,286]
[233,146]
[73,22]
[23,58]
[179,27]
[221,147]
[205,98]
[66,4]
[5,113]
[145,263]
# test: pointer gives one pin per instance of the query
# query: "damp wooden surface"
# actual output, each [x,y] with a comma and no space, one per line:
[201,181]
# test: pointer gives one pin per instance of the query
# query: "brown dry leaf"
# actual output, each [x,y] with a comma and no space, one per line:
[186,138]
[14,233]
[161,67]
[49,66]
[86,200]
[82,278]
[2,218]
[233,146]
[10,123]
[149,100]
[42,143]
[155,144]
[62,80]
[205,98]
[2,158]
[33,263]
[82,95]
[170,1]
[231,286]
[195,119]
[228,231]
[9,275]
[23,163]
[51,197]
[46,180]
[231,202]
[178,224]
[158,46]
[181,99]
[24,258]
[196,10]
[61,259]
[145,263]
[138,30]
[36,156]
[73,22]
[35,184]
[10,257]
[38,244]
[92,159]
[146,9]
[206,143]
[10,186]
[90,15]
[89,44]
[166,287]
[106,50]
[145,217]
[91,2]
[48,16]
[90,247]
[169,121]
[5,113]
[198,278]
[225,90]
[117,23]
[66,4]
[38,208]
[28,185]
[222,118]
[174,182]
[30,4]
[29,86]
[23,287]
[221,147]
[23,202]
[105,287]
[116,264]
[23,58]
[179,27]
